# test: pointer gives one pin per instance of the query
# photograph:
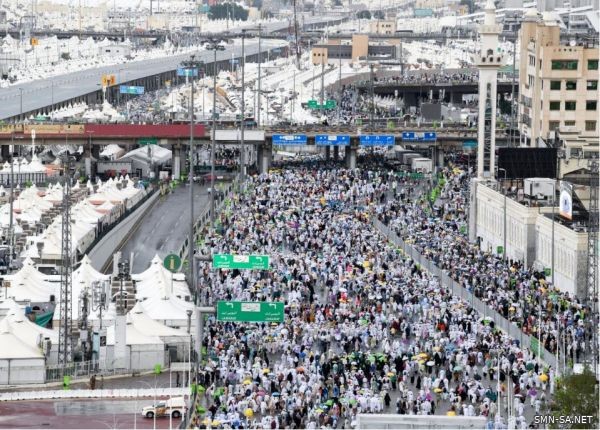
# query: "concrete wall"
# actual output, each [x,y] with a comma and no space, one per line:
[457,290]
[22,371]
[106,247]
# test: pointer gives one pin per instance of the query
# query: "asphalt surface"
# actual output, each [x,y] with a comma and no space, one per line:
[41,93]
[85,414]
[165,227]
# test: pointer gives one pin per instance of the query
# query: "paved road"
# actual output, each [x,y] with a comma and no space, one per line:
[87,414]
[41,93]
[165,227]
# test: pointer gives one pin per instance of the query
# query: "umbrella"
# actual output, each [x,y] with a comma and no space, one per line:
[276,394]
[319,411]
[477,377]
[300,369]
[543,377]
[451,414]
[201,410]
[265,371]
[329,402]
[422,355]
[390,374]
[457,368]
[352,401]
[437,390]
[529,366]
[247,382]
[215,423]
[430,363]
[248,413]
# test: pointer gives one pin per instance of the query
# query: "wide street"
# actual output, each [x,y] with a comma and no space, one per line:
[165,227]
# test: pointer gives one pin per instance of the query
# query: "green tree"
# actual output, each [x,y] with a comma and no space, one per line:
[378,14]
[577,396]
[363,14]
[225,10]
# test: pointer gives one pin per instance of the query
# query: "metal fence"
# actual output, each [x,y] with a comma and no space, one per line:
[81,369]
[502,323]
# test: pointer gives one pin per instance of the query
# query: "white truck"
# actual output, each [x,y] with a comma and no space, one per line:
[420,164]
[163,408]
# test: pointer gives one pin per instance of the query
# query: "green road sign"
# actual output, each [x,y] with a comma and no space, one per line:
[329,104]
[547,271]
[172,262]
[230,261]
[500,250]
[147,141]
[250,311]
[535,347]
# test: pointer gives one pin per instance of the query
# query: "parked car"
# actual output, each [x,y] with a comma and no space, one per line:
[174,407]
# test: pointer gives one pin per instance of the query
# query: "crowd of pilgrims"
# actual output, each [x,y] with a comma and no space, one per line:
[366,330]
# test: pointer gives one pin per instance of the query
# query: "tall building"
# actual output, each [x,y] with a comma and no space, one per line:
[488,61]
[558,84]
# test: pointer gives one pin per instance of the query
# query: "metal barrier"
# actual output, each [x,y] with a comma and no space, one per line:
[93,394]
[510,328]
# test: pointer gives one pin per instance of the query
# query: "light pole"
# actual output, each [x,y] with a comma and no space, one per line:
[21,100]
[213,46]
[192,66]
[243,108]
[259,82]
[153,401]
[504,234]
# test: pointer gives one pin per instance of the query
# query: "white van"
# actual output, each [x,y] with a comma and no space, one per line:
[163,408]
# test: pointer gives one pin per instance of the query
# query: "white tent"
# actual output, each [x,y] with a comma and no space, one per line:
[143,351]
[31,333]
[157,281]
[20,363]
[171,311]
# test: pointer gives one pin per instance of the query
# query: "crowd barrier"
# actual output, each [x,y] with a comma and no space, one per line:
[94,394]
[525,341]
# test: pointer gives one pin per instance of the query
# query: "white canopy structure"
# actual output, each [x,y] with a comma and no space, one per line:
[170,311]
[143,351]
[29,284]
[20,363]
[158,282]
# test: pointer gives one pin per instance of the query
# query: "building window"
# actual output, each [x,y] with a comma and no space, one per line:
[531,60]
[591,105]
[592,64]
[555,85]
[565,64]
[569,123]
[530,81]
[590,126]
[592,85]
[554,105]
[553,125]
[571,85]
[572,105]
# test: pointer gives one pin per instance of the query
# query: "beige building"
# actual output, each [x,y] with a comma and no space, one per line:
[529,235]
[558,84]
[334,50]
[383,26]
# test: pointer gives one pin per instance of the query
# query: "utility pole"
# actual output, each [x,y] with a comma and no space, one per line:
[339,108]
[259,66]
[64,338]
[592,287]
[322,85]
[192,66]
[512,97]
[372,110]
[243,109]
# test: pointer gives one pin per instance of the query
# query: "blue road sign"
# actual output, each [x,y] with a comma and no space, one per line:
[332,140]
[427,136]
[377,140]
[470,144]
[129,89]
[187,72]
[289,139]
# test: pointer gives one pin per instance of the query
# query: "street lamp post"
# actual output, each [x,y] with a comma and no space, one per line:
[259,80]
[243,108]
[193,66]
[21,103]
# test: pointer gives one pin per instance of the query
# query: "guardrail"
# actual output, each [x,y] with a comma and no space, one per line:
[93,394]
[502,323]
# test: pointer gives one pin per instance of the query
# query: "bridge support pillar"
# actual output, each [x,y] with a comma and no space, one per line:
[327,153]
[336,153]
[440,158]
[350,157]
[264,157]
[176,154]
[5,152]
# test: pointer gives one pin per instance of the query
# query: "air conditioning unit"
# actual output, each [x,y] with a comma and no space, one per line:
[539,188]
